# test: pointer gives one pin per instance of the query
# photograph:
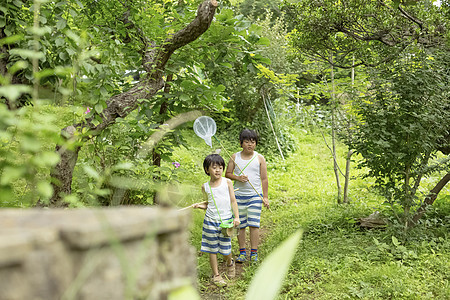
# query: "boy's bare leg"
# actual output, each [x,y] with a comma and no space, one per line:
[254,237]
[241,238]
[228,259]
[213,263]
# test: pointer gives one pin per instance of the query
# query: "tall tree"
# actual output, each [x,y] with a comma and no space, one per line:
[404,44]
[373,32]
[86,54]
[155,55]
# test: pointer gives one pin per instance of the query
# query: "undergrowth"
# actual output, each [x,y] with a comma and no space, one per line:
[336,259]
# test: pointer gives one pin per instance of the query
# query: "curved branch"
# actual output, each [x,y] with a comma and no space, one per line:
[429,199]
[155,59]
[407,15]
[191,32]
[379,36]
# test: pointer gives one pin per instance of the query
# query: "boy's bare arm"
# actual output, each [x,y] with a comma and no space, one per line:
[201,205]
[230,168]
[204,204]
[264,180]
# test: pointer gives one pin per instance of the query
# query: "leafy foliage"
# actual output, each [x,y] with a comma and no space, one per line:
[87,52]
[27,139]
[399,123]
[402,122]
[371,31]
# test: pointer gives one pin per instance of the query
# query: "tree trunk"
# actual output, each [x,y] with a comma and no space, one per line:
[429,199]
[347,176]
[350,152]
[63,171]
[156,156]
[333,136]
[154,60]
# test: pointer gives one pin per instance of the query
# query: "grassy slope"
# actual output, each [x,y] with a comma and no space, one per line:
[336,259]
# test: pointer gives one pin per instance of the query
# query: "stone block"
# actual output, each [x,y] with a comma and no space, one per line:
[110,253]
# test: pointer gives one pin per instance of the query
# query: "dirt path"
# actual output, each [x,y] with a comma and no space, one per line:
[209,291]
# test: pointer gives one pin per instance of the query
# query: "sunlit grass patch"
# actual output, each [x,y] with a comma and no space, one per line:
[337,259]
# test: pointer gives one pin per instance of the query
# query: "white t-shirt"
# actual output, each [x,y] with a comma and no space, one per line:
[221,195]
[251,168]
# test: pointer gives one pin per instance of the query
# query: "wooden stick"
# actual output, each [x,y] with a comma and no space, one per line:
[192,205]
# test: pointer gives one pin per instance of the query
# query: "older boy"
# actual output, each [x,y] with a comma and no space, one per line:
[248,169]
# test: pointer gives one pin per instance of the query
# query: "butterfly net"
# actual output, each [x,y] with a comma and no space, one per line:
[205,128]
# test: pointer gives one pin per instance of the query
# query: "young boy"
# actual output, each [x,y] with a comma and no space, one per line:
[220,197]
[248,169]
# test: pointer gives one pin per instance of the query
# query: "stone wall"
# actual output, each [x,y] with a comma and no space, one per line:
[111,253]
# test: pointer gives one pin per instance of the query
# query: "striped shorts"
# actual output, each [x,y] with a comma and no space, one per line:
[249,210]
[213,240]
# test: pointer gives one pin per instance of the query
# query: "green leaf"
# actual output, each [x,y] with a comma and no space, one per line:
[61,24]
[18,3]
[95,122]
[63,55]
[263,41]
[99,108]
[103,91]
[49,158]
[10,174]
[40,30]
[43,19]
[73,13]
[70,51]
[44,189]
[102,192]
[123,166]
[27,53]
[11,39]
[395,241]
[220,88]
[186,292]
[59,41]
[184,97]
[268,279]
[30,144]
[73,36]
[13,92]
[91,172]
[45,73]
[228,65]
[6,193]
[187,84]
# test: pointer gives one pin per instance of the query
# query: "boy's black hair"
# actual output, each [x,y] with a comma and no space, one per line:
[248,134]
[211,160]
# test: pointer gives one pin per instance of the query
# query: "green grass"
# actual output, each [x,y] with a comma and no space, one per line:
[336,258]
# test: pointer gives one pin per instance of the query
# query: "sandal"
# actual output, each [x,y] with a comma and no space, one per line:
[231,269]
[218,281]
